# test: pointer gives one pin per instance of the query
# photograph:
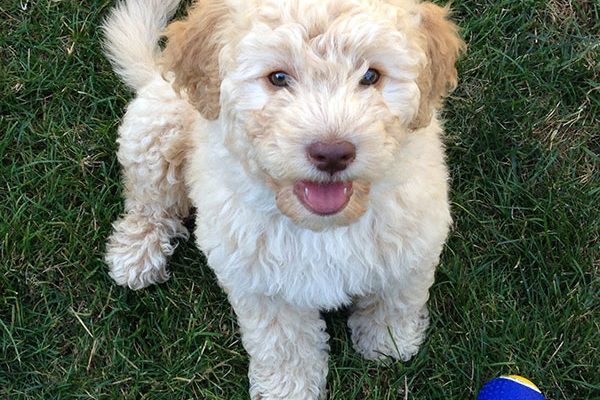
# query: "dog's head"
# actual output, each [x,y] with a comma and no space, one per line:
[315,96]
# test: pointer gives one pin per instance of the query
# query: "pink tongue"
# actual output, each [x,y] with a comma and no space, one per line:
[324,198]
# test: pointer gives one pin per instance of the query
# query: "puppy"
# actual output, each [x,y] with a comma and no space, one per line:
[305,133]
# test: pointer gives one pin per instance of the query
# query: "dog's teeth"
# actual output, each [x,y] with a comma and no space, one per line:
[306,191]
[346,190]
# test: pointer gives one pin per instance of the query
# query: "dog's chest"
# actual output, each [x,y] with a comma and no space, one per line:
[312,269]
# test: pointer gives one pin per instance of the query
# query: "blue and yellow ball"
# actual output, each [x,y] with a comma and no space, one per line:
[510,387]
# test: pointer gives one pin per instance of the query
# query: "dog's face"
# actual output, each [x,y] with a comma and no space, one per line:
[315,96]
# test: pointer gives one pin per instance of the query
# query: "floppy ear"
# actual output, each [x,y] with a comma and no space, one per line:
[442,45]
[192,53]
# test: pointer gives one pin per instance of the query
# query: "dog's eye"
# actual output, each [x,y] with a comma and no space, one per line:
[370,77]
[279,79]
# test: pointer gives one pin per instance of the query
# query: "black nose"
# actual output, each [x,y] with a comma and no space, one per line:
[331,157]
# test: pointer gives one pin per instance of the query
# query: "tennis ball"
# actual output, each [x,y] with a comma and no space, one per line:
[510,387]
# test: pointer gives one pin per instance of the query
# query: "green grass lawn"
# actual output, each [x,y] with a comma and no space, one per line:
[517,290]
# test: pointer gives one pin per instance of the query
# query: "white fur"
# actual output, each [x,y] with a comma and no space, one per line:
[279,273]
[132,31]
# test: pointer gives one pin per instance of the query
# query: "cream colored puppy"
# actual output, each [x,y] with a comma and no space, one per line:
[305,134]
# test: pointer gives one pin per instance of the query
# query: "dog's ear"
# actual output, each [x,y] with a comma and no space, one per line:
[192,53]
[438,76]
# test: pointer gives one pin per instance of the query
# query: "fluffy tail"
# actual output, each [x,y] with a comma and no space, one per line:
[132,32]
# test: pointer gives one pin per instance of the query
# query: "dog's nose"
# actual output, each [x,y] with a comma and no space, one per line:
[331,157]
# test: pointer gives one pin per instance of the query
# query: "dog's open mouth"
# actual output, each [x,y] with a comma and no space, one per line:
[323,198]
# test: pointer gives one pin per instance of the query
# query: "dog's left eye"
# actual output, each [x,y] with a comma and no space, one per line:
[279,79]
[370,77]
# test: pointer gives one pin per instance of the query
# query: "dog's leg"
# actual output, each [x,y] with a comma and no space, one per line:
[152,145]
[392,322]
[287,347]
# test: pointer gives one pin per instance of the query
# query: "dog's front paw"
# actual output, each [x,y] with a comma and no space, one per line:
[396,336]
[273,384]
[137,250]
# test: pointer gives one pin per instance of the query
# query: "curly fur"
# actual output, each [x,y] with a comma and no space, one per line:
[208,129]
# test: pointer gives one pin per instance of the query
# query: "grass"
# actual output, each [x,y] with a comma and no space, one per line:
[517,290]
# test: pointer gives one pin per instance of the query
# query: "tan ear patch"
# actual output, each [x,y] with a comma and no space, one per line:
[192,53]
[438,77]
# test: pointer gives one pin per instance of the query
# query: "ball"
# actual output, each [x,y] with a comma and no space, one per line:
[510,387]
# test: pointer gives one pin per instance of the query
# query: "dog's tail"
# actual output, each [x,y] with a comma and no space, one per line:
[132,33]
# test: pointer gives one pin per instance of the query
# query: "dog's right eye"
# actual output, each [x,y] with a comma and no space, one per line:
[279,79]
[370,77]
